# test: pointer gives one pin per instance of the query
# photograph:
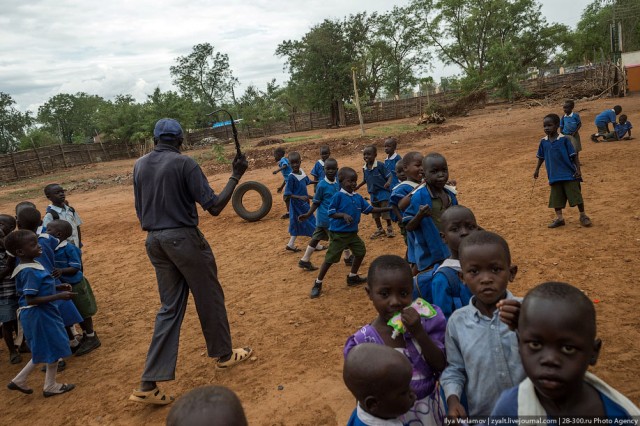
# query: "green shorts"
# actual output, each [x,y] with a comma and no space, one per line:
[84,300]
[384,215]
[603,130]
[339,241]
[321,234]
[575,141]
[563,191]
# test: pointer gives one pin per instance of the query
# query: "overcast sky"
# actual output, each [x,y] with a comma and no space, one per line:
[113,47]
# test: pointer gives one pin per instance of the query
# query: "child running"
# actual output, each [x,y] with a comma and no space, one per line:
[296,190]
[389,288]
[8,294]
[285,169]
[325,191]
[40,319]
[207,405]
[558,343]
[318,172]
[380,379]
[482,352]
[344,216]
[378,180]
[59,209]
[447,289]
[68,268]
[563,171]
[393,158]
[570,124]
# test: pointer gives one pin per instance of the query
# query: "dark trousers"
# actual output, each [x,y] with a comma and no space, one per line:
[184,262]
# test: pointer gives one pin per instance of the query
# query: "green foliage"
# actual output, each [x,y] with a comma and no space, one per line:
[71,117]
[218,154]
[37,137]
[204,75]
[259,108]
[13,124]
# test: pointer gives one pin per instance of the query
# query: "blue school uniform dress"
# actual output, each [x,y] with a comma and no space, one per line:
[604,118]
[390,165]
[622,129]
[447,289]
[318,170]
[322,198]
[376,177]
[569,123]
[42,324]
[428,247]
[557,156]
[297,185]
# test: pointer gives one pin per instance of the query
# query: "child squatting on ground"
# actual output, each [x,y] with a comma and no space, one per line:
[205,406]
[482,352]
[379,377]
[40,319]
[621,130]
[557,344]
[345,210]
[603,119]
[285,169]
[563,170]
[378,180]
[325,190]
[389,287]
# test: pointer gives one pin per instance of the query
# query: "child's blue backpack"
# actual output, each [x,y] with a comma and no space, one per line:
[422,285]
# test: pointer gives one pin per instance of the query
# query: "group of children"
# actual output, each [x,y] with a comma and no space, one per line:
[480,350]
[43,290]
[621,129]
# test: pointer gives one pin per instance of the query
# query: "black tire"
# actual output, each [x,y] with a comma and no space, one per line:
[265,195]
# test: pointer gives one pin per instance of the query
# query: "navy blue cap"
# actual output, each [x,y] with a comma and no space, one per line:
[167,128]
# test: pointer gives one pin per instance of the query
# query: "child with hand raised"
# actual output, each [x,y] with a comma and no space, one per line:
[389,287]
[40,319]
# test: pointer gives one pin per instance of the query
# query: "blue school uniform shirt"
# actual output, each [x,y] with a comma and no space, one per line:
[353,205]
[390,165]
[621,129]
[318,170]
[287,168]
[569,123]
[557,156]
[68,255]
[427,244]
[376,177]
[605,117]
[482,357]
[322,198]
[444,285]
[359,417]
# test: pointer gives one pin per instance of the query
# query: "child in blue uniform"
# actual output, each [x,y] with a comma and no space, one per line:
[563,170]
[393,158]
[285,169]
[379,377]
[603,119]
[68,268]
[296,190]
[448,291]
[412,169]
[318,169]
[378,180]
[325,191]
[8,295]
[620,130]
[570,124]
[345,210]
[40,319]
[557,343]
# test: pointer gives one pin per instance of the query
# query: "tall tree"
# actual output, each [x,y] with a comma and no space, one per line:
[71,117]
[13,124]
[204,75]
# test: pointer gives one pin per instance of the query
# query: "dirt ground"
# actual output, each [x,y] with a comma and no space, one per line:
[296,377]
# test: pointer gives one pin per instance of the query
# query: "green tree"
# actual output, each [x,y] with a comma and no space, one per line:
[123,120]
[204,75]
[13,124]
[262,108]
[71,117]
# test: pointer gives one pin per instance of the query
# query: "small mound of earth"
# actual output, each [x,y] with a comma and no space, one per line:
[270,141]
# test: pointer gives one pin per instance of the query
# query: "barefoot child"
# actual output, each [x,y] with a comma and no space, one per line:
[68,268]
[296,190]
[378,180]
[482,352]
[344,216]
[393,158]
[285,169]
[557,344]
[207,405]
[389,286]
[318,169]
[563,171]
[59,209]
[40,319]
[380,379]
[8,295]
[448,291]
[325,191]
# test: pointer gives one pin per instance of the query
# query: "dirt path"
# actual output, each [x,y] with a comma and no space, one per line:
[298,342]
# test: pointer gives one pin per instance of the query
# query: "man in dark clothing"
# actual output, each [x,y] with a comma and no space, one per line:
[167,185]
